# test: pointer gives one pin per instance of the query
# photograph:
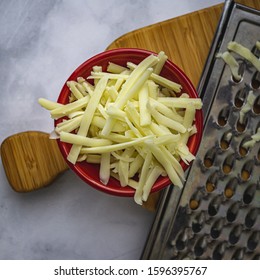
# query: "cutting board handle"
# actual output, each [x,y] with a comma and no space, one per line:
[31,160]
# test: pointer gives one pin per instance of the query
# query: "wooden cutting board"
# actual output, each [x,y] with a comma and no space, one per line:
[186,40]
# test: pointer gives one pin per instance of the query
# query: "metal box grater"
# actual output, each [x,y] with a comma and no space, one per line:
[217,213]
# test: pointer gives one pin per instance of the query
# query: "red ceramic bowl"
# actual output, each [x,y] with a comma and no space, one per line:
[90,172]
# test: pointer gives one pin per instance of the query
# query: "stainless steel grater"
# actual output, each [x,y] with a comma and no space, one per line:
[217,214]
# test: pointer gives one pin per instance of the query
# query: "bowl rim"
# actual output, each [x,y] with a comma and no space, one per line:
[64,147]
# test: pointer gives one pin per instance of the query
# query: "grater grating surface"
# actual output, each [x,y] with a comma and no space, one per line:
[217,214]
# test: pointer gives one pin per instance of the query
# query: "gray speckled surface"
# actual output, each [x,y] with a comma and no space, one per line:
[42,42]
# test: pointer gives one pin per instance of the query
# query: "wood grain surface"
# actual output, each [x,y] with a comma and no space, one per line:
[31,160]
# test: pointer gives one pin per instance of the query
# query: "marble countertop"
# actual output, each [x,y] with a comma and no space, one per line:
[42,42]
